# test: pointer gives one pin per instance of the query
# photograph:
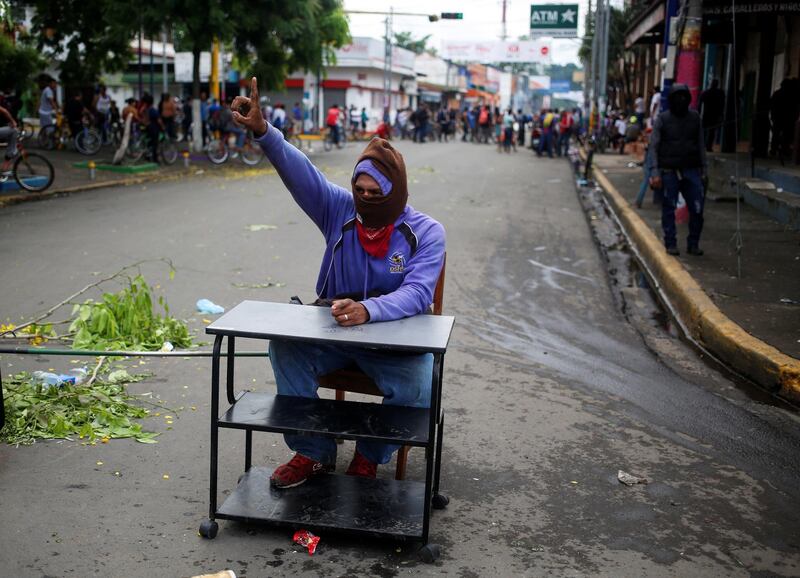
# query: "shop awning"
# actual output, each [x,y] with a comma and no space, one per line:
[648,27]
[430,95]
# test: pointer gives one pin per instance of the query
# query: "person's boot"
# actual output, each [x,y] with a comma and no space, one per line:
[361,466]
[297,470]
[673,250]
[694,250]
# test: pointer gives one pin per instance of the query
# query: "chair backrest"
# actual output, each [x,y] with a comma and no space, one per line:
[438,292]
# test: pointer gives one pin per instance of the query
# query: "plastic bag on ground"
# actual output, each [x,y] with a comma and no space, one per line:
[206,306]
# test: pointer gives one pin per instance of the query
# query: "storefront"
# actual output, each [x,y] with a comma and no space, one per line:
[750,50]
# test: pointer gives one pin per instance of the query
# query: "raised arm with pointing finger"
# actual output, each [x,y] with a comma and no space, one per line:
[382,256]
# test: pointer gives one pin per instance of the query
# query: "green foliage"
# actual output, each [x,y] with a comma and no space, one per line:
[302,34]
[126,321]
[38,333]
[406,40]
[86,38]
[273,37]
[18,63]
[620,19]
[101,410]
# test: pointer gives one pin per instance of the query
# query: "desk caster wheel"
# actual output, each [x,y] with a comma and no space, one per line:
[208,529]
[429,553]
[440,501]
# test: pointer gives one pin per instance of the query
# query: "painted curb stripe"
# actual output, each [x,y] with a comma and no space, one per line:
[749,355]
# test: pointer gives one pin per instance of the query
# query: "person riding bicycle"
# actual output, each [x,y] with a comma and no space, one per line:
[75,111]
[48,104]
[102,104]
[332,122]
[153,125]
[227,126]
[278,119]
[8,133]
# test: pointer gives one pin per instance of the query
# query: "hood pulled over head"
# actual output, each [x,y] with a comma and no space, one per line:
[383,163]
[679,99]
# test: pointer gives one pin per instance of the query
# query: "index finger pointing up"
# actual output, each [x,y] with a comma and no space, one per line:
[254,90]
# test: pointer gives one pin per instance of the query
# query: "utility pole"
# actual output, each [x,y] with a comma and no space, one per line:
[387,66]
[606,19]
[596,51]
[152,85]
[504,35]
[140,63]
[213,80]
[587,64]
[689,62]
[668,72]
[164,61]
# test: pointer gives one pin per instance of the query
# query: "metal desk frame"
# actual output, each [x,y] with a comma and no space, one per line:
[432,445]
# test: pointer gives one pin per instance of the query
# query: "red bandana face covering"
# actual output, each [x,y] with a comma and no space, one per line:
[375,241]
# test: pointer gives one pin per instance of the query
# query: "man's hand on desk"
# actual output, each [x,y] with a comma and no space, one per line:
[347,312]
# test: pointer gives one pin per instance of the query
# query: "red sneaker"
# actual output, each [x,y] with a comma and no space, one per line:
[361,466]
[297,471]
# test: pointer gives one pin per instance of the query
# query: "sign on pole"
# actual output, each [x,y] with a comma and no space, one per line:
[498,51]
[554,20]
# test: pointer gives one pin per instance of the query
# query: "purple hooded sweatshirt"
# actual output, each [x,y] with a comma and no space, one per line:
[396,286]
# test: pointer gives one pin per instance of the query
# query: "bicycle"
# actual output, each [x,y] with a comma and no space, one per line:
[328,143]
[32,171]
[87,141]
[219,149]
[140,143]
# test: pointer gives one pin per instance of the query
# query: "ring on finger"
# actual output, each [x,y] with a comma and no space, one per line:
[346,318]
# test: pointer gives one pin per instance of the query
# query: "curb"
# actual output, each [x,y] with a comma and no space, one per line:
[705,322]
[137,180]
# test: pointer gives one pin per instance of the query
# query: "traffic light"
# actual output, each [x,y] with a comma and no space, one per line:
[452,16]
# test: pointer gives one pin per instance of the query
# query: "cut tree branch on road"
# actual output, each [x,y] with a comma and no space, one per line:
[97,283]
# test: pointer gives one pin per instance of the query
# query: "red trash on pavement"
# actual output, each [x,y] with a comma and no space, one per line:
[307,539]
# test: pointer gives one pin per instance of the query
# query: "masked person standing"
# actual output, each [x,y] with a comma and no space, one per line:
[679,166]
[382,261]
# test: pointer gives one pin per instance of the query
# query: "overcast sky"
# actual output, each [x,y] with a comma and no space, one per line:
[482,21]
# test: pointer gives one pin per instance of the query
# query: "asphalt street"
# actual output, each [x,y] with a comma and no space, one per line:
[549,391]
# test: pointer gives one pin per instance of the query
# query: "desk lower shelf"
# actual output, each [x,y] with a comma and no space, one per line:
[330,418]
[330,502]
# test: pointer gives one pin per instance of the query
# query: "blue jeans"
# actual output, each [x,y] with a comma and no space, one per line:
[688,183]
[546,143]
[563,142]
[240,135]
[403,379]
[645,181]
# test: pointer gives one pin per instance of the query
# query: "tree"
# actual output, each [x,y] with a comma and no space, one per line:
[270,38]
[86,38]
[18,64]
[195,24]
[418,46]
[301,34]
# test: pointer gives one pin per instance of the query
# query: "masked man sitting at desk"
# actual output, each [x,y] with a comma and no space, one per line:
[382,261]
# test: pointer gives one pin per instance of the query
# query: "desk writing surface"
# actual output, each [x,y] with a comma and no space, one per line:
[265,320]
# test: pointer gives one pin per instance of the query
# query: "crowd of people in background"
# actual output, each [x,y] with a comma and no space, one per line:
[548,131]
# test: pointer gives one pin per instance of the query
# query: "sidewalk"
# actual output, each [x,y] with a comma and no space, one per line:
[764,302]
[69,178]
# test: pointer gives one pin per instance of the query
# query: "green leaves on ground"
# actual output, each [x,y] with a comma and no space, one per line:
[126,321]
[98,411]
